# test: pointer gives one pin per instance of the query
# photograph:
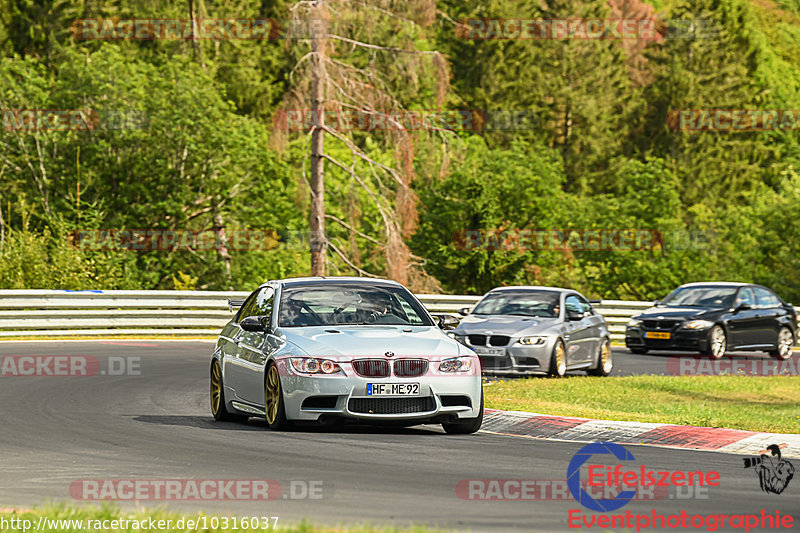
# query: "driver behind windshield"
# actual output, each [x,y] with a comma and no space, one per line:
[529,303]
[293,314]
[348,305]
[379,308]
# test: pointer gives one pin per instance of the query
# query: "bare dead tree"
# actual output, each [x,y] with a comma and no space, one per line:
[318,242]
[334,85]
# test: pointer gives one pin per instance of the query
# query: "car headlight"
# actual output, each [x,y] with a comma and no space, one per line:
[634,323]
[532,341]
[456,364]
[310,365]
[697,324]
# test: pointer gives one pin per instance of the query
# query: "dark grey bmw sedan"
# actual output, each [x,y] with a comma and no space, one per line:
[714,318]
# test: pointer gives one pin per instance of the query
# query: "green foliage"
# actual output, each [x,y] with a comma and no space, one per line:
[491,190]
[184,282]
[194,147]
[184,160]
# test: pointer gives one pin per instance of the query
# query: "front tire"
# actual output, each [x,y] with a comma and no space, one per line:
[717,343]
[274,408]
[785,345]
[558,360]
[604,362]
[467,426]
[217,393]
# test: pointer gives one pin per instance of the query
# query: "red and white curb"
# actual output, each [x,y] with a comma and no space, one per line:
[548,427]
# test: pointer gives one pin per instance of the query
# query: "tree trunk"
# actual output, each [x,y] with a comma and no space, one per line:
[198,51]
[221,244]
[2,226]
[317,239]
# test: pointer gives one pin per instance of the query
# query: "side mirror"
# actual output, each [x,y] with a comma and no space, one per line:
[574,315]
[656,303]
[742,307]
[464,311]
[446,322]
[254,323]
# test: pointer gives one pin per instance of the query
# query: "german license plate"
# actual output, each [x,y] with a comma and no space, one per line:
[392,389]
[496,352]
[656,334]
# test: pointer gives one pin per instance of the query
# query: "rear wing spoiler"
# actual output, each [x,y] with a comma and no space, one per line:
[234,304]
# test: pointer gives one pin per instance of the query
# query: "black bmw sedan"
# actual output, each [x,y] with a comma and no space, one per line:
[716,317]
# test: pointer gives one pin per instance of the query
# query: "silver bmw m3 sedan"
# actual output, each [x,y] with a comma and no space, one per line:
[536,330]
[331,349]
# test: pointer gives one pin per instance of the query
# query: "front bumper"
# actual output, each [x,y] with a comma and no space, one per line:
[442,397]
[679,339]
[518,360]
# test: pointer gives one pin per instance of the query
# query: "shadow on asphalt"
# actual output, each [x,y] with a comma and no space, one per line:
[257,424]
[697,355]
[205,422]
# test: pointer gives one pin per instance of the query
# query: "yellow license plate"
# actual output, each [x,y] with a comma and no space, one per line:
[656,334]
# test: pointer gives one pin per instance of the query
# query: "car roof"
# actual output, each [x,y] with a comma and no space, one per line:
[330,280]
[717,284]
[531,288]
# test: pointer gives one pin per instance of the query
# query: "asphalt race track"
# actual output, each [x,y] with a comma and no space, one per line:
[153,422]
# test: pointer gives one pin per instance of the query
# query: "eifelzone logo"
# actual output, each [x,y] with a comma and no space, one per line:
[574,477]
[774,472]
[627,474]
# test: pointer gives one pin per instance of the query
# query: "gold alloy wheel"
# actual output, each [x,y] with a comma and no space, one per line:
[216,388]
[605,358]
[272,394]
[561,365]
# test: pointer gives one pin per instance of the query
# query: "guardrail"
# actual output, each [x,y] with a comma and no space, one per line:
[194,313]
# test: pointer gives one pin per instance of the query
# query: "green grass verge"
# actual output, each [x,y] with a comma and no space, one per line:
[739,402]
[100,519]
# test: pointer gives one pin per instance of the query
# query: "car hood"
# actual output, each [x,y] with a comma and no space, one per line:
[676,313]
[505,324]
[373,340]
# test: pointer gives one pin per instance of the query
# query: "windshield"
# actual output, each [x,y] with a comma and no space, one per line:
[714,297]
[523,303]
[348,305]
